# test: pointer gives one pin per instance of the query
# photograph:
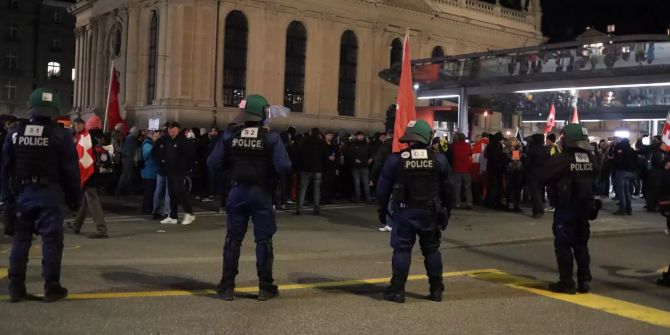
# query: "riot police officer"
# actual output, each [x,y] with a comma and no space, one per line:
[256,159]
[572,175]
[41,164]
[416,181]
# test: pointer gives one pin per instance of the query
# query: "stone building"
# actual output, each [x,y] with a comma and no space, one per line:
[36,50]
[193,60]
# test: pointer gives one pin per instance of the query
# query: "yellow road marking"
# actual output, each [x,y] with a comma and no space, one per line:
[177,293]
[609,305]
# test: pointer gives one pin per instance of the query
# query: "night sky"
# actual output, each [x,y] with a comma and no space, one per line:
[563,20]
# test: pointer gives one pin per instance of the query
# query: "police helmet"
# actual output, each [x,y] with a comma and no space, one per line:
[44,102]
[417,131]
[253,108]
[576,136]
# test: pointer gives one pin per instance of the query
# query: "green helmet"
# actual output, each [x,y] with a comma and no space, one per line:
[576,136]
[417,131]
[253,108]
[44,102]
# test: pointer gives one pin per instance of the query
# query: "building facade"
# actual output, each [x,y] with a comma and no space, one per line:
[37,50]
[194,60]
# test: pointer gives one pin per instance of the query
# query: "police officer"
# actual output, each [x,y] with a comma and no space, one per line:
[572,175]
[40,160]
[256,159]
[416,181]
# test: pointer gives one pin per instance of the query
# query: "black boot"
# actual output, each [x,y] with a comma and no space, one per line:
[17,291]
[226,292]
[395,295]
[563,287]
[664,280]
[436,292]
[584,286]
[267,293]
[54,292]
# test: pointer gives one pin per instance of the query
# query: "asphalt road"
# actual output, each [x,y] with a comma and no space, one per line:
[153,279]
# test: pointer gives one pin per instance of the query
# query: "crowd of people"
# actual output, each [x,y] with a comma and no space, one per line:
[168,168]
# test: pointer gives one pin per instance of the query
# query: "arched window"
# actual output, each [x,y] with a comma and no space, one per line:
[153,58]
[396,52]
[53,70]
[437,52]
[235,59]
[346,96]
[12,32]
[294,71]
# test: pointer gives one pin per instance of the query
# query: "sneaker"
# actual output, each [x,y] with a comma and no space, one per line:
[208,199]
[227,294]
[265,295]
[54,292]
[169,220]
[394,296]
[385,228]
[563,287]
[222,210]
[188,219]
[197,197]
[549,209]
[584,286]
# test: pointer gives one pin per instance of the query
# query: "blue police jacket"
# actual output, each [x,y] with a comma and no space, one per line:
[67,164]
[391,171]
[279,156]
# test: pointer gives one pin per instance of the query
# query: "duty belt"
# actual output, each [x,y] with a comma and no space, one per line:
[35,180]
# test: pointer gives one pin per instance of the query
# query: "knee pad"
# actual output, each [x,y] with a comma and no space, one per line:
[232,243]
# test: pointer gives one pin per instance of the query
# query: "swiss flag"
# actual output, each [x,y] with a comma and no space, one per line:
[86,156]
[405,111]
[665,135]
[575,116]
[113,107]
[551,120]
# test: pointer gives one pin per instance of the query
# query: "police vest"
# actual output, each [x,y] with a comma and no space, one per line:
[576,187]
[249,161]
[36,152]
[418,180]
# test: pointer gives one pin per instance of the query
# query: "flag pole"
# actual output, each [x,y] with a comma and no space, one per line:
[109,93]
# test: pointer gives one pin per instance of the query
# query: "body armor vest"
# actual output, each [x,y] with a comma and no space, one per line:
[36,154]
[418,184]
[249,159]
[575,189]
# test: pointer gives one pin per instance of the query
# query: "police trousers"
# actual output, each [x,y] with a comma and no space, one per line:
[38,213]
[408,224]
[571,237]
[245,202]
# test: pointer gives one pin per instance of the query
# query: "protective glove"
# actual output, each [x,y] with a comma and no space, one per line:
[381,215]
[443,218]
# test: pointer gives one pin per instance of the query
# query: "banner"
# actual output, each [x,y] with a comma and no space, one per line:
[86,156]
[405,110]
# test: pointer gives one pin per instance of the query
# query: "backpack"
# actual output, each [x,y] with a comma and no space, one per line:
[103,160]
[139,157]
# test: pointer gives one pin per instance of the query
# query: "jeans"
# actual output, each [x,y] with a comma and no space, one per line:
[465,180]
[362,179]
[305,179]
[161,196]
[622,182]
[148,191]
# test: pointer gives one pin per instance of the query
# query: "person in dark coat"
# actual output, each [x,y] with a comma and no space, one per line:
[535,159]
[360,157]
[495,169]
[625,162]
[128,181]
[312,153]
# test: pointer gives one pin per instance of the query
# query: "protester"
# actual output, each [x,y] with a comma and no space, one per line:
[312,156]
[535,158]
[625,163]
[359,157]
[128,182]
[149,171]
[461,154]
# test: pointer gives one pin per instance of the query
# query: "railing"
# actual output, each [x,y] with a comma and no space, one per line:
[489,9]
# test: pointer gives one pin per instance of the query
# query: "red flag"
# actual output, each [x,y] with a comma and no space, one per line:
[113,108]
[86,156]
[575,116]
[551,120]
[405,111]
[665,134]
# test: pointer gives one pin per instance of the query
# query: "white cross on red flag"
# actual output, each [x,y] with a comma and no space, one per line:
[551,120]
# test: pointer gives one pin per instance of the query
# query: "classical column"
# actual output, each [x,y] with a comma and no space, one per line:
[95,22]
[132,33]
[84,70]
[77,67]
[99,72]
[463,112]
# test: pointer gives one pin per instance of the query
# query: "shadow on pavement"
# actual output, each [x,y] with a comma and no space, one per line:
[372,291]
[157,281]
